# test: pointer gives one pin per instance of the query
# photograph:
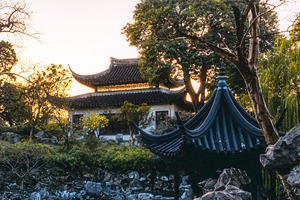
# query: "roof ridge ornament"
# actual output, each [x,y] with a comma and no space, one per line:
[222,84]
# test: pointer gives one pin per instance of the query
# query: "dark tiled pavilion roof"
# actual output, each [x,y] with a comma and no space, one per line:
[221,126]
[151,96]
[120,71]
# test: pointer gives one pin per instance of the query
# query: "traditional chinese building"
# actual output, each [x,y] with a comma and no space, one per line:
[121,82]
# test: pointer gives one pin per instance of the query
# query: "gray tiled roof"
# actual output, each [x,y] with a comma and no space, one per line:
[120,71]
[151,96]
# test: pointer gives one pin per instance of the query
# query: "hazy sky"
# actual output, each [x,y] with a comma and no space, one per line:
[80,33]
[85,33]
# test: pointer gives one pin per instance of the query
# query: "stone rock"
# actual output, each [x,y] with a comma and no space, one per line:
[54,140]
[145,196]
[284,154]
[232,176]
[93,188]
[207,185]
[35,196]
[131,196]
[40,134]
[237,192]
[185,195]
[134,175]
[294,177]
[44,193]
[119,138]
[230,192]
[142,179]
[164,178]
[10,136]
[217,195]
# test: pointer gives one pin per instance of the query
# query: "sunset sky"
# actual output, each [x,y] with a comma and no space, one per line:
[85,33]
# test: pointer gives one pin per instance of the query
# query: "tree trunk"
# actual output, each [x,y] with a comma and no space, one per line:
[130,131]
[22,184]
[251,78]
[202,87]
[31,134]
[189,88]
[262,113]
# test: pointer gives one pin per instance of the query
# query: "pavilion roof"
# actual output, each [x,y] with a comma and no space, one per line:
[151,96]
[120,71]
[221,126]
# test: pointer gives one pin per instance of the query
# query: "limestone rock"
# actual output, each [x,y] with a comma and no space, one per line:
[94,188]
[145,196]
[232,176]
[284,154]
[208,185]
[294,179]
[10,136]
[237,192]
[230,192]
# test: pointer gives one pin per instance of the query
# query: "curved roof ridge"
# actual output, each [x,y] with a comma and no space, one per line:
[74,74]
[120,71]
[240,119]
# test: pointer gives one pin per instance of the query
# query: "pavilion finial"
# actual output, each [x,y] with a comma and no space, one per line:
[222,70]
[222,76]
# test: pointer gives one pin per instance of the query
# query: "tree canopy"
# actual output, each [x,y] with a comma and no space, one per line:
[158,30]
[231,29]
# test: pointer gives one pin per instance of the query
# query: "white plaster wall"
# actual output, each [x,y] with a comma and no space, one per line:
[170,108]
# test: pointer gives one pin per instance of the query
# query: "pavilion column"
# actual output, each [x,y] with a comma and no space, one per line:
[272,185]
[254,173]
[176,186]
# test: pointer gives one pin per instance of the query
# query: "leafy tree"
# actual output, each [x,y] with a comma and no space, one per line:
[163,51]
[10,90]
[93,122]
[8,57]
[134,113]
[44,94]
[13,108]
[279,73]
[228,28]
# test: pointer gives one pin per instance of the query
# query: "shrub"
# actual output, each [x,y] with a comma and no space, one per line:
[75,158]
[23,158]
[127,158]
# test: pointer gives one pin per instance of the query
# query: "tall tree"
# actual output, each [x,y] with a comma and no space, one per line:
[44,93]
[280,76]
[228,28]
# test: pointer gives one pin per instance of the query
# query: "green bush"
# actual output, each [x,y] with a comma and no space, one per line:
[82,159]
[22,158]
[127,158]
[75,158]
